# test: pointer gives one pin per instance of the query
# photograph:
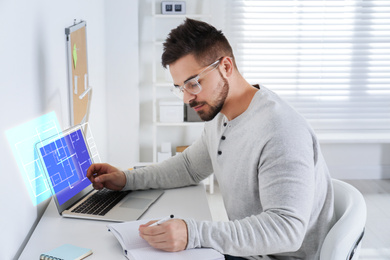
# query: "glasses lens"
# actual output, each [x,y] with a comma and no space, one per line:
[192,86]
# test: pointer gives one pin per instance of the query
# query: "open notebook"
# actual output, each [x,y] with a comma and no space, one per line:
[135,248]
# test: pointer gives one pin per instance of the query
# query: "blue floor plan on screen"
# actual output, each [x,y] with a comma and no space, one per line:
[67,160]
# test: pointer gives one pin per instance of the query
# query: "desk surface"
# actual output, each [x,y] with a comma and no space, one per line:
[54,230]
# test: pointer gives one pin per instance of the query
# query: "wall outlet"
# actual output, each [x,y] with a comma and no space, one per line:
[177,7]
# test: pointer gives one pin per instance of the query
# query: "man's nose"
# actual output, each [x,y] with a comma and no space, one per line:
[188,97]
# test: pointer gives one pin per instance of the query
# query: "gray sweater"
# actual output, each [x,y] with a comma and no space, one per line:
[274,181]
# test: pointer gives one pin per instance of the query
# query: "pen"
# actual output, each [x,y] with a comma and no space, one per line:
[162,220]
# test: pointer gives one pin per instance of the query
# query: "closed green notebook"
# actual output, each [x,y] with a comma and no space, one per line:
[66,252]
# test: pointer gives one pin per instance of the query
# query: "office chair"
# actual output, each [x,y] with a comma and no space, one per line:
[343,241]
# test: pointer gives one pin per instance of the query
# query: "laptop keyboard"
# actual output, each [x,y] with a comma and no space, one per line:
[100,202]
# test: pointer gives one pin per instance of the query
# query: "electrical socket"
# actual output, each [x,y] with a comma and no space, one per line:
[170,7]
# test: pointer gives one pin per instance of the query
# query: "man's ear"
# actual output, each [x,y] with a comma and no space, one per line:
[227,66]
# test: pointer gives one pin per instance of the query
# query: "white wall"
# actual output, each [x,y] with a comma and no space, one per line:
[33,81]
[357,160]
[122,82]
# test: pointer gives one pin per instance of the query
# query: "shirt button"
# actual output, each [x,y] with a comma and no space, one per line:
[224,124]
[219,152]
[223,137]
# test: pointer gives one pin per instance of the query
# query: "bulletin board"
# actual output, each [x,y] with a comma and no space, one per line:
[80,91]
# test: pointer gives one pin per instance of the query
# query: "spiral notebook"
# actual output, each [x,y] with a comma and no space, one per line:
[67,252]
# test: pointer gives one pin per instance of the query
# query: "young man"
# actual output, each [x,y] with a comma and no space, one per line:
[267,160]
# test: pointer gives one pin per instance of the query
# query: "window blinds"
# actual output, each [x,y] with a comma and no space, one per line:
[329,59]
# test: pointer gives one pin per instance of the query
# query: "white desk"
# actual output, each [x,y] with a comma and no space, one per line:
[54,230]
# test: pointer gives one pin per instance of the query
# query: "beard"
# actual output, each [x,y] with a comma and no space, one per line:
[215,108]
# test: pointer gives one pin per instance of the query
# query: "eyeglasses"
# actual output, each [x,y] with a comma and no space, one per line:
[192,85]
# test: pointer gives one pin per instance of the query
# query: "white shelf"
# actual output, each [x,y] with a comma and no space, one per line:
[180,124]
[158,42]
[160,86]
[353,137]
[163,84]
[181,16]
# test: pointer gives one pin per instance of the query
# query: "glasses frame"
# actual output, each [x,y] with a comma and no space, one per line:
[179,90]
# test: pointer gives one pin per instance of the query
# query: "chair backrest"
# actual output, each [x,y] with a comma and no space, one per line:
[343,240]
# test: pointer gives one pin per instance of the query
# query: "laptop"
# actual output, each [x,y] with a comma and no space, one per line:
[65,159]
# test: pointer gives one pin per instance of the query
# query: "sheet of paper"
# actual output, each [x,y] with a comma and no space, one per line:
[74,56]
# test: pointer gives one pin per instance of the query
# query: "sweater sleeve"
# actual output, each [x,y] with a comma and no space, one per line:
[187,168]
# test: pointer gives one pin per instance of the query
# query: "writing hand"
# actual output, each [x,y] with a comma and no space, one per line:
[171,236]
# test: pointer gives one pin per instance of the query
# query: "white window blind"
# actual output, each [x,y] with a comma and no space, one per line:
[329,59]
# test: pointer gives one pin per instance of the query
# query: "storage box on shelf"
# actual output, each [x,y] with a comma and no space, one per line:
[171,111]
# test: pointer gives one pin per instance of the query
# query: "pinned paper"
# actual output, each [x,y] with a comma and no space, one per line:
[74,56]
[75,85]
[85,81]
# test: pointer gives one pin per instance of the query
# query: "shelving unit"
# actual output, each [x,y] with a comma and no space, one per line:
[162,81]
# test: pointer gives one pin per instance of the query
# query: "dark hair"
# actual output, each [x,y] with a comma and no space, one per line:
[198,38]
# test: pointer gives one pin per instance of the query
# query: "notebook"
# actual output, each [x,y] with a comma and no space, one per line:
[65,159]
[66,252]
[136,248]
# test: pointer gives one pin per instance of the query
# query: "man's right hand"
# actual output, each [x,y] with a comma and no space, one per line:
[103,175]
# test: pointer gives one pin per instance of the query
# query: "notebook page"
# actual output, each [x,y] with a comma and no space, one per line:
[128,235]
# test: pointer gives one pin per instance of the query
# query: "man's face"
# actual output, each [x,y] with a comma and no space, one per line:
[214,88]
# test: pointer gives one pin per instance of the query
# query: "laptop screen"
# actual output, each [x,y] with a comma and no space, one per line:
[66,160]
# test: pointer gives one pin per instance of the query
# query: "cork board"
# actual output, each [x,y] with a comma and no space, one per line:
[80,92]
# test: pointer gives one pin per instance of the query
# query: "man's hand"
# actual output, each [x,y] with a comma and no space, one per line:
[103,175]
[171,235]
